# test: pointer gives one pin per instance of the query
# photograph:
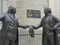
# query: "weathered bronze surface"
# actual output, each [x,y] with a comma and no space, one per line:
[8,33]
[48,23]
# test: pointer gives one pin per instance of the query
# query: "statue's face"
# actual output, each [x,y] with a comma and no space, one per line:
[45,11]
[12,10]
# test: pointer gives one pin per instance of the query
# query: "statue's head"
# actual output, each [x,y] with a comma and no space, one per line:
[12,10]
[47,11]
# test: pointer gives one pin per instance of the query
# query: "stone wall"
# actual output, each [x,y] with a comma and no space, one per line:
[55,6]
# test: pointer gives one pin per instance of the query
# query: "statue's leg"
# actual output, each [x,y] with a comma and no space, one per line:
[7,42]
[16,41]
[4,41]
[12,43]
[44,40]
[51,40]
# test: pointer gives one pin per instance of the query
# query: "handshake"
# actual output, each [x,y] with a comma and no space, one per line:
[29,26]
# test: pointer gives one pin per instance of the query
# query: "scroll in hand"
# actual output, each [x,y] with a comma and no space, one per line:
[31,31]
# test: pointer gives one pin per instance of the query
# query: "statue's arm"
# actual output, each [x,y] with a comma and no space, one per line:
[36,27]
[2,17]
[57,25]
[57,22]
[40,25]
[22,26]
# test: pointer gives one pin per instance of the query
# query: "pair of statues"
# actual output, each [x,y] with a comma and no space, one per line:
[8,33]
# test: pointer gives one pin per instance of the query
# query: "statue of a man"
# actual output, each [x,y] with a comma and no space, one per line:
[48,22]
[9,28]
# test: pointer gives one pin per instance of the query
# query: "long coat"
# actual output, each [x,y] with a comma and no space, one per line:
[48,24]
[9,26]
[49,36]
[57,29]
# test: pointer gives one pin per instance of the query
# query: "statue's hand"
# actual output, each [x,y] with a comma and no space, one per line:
[54,29]
[33,26]
[26,26]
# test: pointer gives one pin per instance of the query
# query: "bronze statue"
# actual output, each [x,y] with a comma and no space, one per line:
[8,33]
[48,22]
